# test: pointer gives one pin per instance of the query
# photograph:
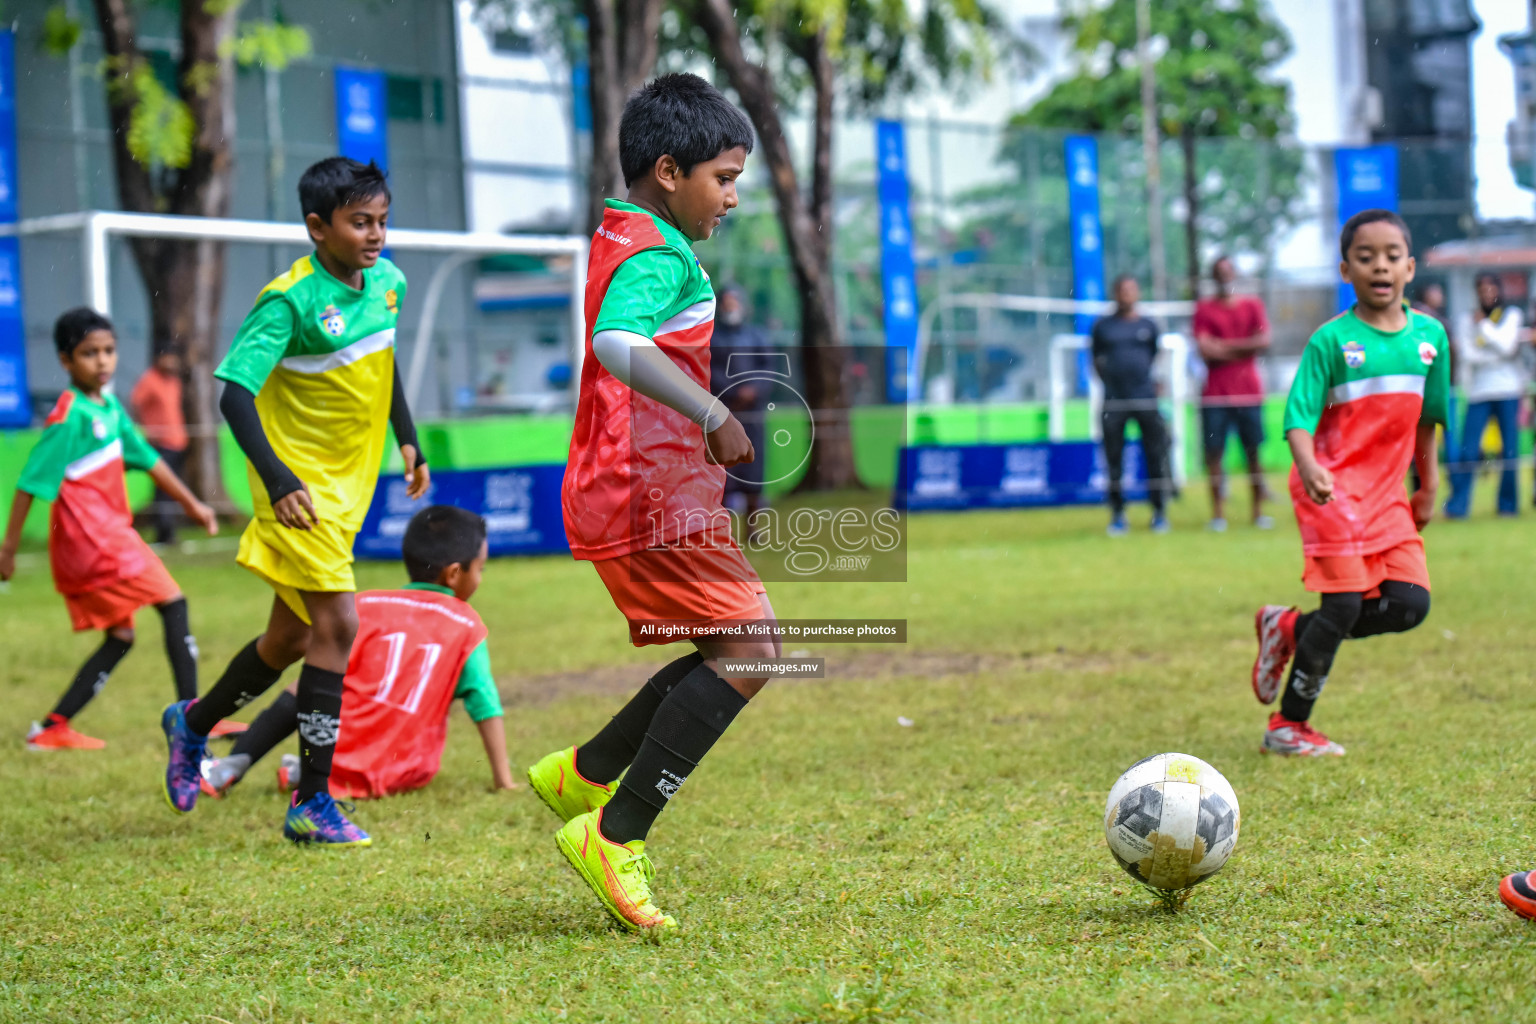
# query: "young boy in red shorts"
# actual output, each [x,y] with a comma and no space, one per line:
[1372,385]
[643,487]
[100,564]
[418,648]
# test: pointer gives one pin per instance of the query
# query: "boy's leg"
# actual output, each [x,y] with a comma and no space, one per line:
[1401,607]
[180,646]
[275,724]
[317,706]
[1318,637]
[93,674]
[604,757]
[253,671]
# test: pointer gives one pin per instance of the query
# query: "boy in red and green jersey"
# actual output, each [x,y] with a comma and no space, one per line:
[101,566]
[1372,385]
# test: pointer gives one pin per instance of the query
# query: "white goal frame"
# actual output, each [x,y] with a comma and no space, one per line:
[1061,369]
[97,228]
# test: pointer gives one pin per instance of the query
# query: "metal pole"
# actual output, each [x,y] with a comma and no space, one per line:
[1149,146]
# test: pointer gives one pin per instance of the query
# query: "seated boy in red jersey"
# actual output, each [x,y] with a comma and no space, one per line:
[100,564]
[418,648]
[1373,383]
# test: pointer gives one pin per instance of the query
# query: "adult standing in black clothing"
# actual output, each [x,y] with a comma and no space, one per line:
[1124,349]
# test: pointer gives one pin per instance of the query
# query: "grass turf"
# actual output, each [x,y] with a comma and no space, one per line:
[828,864]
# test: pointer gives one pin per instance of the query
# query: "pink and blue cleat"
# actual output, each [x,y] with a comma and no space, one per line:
[319,820]
[183,772]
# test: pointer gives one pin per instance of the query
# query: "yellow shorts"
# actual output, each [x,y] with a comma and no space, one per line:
[295,560]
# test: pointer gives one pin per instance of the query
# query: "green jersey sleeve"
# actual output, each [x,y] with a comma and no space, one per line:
[644,288]
[477,686]
[1437,383]
[1309,391]
[138,453]
[44,471]
[261,342]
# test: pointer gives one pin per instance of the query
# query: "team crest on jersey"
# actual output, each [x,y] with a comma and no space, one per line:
[392,301]
[1427,353]
[99,428]
[1354,355]
[333,322]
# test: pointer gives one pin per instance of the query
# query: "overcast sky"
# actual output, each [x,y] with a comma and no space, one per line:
[1493,101]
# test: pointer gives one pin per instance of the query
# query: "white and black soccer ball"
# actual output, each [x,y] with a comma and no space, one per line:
[1171,821]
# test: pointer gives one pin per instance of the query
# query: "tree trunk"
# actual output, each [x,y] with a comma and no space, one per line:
[184,279]
[1192,211]
[604,178]
[807,228]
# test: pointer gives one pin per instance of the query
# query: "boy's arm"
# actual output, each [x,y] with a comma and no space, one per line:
[1303,411]
[477,687]
[494,738]
[172,484]
[1315,480]
[290,498]
[1426,461]
[21,504]
[417,476]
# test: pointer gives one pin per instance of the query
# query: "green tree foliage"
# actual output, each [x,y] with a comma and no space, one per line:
[1214,77]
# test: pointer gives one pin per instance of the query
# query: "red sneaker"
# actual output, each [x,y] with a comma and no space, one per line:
[1297,739]
[226,727]
[57,735]
[1518,895]
[1275,625]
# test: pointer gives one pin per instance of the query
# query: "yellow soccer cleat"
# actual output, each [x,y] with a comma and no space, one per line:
[619,873]
[558,783]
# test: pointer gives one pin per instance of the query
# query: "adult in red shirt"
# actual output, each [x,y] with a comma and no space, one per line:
[1231,330]
[156,404]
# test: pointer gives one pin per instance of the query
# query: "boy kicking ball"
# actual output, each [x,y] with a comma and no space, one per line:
[1372,384]
[643,487]
[310,384]
[418,649]
[100,564]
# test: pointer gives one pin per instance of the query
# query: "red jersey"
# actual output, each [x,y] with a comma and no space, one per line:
[411,647]
[1238,378]
[637,476]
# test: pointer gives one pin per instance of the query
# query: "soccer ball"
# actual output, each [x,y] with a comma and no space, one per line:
[1171,821]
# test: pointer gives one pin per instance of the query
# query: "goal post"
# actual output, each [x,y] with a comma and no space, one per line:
[97,228]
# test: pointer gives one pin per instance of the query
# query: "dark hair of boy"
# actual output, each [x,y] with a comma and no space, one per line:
[680,115]
[440,536]
[338,181]
[70,329]
[1364,217]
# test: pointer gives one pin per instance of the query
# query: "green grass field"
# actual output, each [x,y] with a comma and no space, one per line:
[827,864]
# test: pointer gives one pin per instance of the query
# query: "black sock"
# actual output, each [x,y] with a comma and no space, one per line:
[180,647]
[271,727]
[91,678]
[1316,646]
[318,710]
[246,678]
[605,756]
[689,721]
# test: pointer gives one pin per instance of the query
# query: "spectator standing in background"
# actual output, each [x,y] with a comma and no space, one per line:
[1124,349]
[1493,377]
[1230,330]
[1431,300]
[740,349]
[156,404]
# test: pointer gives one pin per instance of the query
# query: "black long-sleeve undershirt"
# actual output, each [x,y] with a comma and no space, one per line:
[400,419]
[238,404]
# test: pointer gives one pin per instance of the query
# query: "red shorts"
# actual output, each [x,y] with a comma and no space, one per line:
[113,606]
[702,580]
[1363,574]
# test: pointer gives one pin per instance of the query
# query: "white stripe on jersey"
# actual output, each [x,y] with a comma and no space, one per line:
[378,341]
[85,465]
[1389,384]
[701,312]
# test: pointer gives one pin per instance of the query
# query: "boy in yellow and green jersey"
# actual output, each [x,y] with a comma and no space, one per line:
[310,386]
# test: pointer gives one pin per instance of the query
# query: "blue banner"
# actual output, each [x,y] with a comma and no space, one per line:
[521,506]
[1082,153]
[1367,180]
[930,478]
[362,115]
[15,401]
[897,269]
